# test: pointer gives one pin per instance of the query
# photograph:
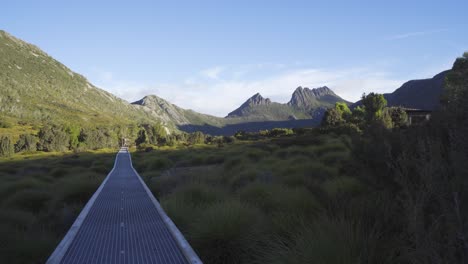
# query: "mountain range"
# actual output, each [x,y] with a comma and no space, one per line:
[35,88]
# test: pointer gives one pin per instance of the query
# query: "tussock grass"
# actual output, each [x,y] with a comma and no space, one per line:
[77,188]
[227,232]
[342,186]
[255,193]
[158,163]
[7,189]
[17,218]
[244,177]
[334,158]
[41,195]
[257,154]
[33,200]
[197,195]
[181,213]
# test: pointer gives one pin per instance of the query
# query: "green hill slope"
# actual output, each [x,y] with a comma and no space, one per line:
[34,87]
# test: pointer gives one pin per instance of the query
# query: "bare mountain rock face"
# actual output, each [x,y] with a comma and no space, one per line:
[305,103]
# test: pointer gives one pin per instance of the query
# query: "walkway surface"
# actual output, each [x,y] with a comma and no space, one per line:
[123,223]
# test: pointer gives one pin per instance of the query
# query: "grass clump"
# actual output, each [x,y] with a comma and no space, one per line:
[342,186]
[33,200]
[326,240]
[227,232]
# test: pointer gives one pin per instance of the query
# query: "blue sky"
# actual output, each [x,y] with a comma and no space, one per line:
[211,56]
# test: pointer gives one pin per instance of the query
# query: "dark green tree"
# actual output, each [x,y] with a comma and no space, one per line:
[196,138]
[26,142]
[141,138]
[337,115]
[343,109]
[53,138]
[373,104]
[332,118]
[6,146]
[358,116]
[73,132]
[397,116]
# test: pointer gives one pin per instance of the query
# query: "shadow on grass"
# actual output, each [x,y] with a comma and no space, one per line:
[235,204]
[40,197]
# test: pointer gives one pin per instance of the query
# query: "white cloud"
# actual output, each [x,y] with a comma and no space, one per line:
[415,34]
[212,73]
[223,96]
[219,96]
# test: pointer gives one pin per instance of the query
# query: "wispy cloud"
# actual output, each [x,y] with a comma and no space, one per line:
[218,96]
[212,73]
[415,34]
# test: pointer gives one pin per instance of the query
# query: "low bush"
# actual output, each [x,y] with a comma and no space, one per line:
[227,232]
[33,200]
[326,240]
[342,186]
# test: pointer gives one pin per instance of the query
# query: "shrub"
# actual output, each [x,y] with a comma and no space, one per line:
[326,240]
[244,177]
[273,198]
[6,147]
[334,158]
[342,186]
[76,189]
[181,213]
[227,232]
[17,218]
[32,200]
[163,185]
[5,124]
[53,138]
[159,163]
[197,195]
[7,190]
[26,142]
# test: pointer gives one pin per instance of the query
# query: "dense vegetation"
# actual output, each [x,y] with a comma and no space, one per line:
[41,195]
[363,188]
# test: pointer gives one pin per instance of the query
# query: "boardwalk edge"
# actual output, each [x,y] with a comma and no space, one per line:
[184,246]
[63,246]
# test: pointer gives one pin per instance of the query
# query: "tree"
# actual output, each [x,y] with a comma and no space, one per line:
[373,104]
[337,115]
[358,116]
[332,118]
[343,109]
[73,132]
[397,116]
[196,138]
[6,147]
[277,132]
[53,138]
[141,138]
[26,142]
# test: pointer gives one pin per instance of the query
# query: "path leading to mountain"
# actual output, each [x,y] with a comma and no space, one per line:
[123,223]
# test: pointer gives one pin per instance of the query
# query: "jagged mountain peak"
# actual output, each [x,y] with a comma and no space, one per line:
[305,97]
[258,99]
[320,91]
[254,101]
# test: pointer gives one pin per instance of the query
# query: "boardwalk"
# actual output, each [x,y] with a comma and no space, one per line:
[123,223]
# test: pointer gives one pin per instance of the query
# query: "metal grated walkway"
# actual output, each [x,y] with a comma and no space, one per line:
[123,223]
